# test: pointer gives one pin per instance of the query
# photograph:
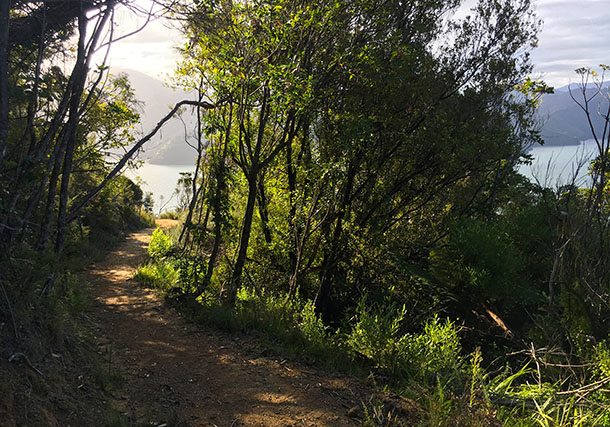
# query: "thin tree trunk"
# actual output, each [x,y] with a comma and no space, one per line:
[244,241]
[207,279]
[33,104]
[195,192]
[80,73]
[84,57]
[43,236]
[33,202]
[264,211]
[4,53]
[293,250]
[332,255]
[327,275]
[219,170]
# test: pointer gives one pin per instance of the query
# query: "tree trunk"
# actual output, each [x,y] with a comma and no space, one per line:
[263,211]
[4,53]
[292,251]
[219,169]
[194,190]
[43,236]
[244,241]
[297,231]
[207,279]
[79,74]
[322,301]
[64,193]
[33,202]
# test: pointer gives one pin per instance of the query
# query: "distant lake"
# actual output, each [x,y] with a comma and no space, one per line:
[555,166]
[552,166]
[160,180]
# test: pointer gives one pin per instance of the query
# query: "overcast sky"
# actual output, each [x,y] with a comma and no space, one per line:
[575,33]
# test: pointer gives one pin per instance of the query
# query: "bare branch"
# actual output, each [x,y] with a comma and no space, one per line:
[136,147]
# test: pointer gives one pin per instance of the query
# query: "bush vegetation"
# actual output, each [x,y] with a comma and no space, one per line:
[355,198]
[453,385]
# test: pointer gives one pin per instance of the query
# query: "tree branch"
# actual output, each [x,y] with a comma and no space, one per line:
[119,166]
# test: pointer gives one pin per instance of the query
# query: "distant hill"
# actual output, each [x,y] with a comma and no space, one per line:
[168,147]
[563,122]
[561,119]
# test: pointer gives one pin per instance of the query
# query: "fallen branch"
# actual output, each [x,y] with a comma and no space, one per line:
[16,357]
[587,389]
[498,321]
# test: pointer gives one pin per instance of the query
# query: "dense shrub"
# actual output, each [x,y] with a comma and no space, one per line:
[482,260]
[160,244]
[433,354]
[160,275]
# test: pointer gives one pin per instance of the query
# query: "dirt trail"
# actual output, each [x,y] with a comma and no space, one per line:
[178,373]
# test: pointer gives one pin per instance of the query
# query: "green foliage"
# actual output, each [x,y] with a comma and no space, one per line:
[545,403]
[601,359]
[437,350]
[289,320]
[480,259]
[170,215]
[311,325]
[434,354]
[377,336]
[191,270]
[112,119]
[288,324]
[159,275]
[484,261]
[160,244]
[567,414]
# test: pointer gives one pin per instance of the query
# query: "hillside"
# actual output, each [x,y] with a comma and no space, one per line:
[563,122]
[168,147]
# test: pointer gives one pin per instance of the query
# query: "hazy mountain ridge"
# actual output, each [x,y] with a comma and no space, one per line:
[562,121]
[168,147]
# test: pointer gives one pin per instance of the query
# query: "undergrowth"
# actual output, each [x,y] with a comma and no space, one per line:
[427,366]
[43,306]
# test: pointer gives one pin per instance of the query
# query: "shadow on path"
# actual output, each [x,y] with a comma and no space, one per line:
[175,370]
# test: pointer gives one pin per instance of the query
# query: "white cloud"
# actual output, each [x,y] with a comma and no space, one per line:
[574,34]
[152,51]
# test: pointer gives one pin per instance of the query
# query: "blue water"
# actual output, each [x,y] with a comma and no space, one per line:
[556,166]
[161,181]
[551,167]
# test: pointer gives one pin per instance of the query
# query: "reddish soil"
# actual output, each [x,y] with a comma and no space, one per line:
[178,373]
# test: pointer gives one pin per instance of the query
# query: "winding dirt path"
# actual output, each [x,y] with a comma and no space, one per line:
[177,373]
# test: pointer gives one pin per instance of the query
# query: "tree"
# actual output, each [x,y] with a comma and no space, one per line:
[260,66]
[578,284]
[58,120]
[391,119]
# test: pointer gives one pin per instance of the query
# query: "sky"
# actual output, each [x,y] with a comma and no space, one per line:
[575,33]
[152,51]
